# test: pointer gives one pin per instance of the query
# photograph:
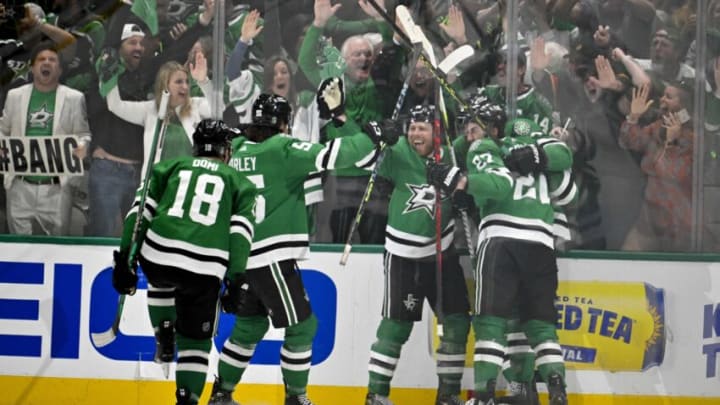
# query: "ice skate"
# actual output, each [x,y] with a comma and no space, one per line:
[476,401]
[183,396]
[448,400]
[518,394]
[556,390]
[377,399]
[165,346]
[486,397]
[220,396]
[301,399]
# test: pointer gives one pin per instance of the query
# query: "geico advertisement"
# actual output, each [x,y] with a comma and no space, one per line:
[41,316]
[611,326]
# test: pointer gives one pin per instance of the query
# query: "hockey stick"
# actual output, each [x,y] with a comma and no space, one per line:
[158,139]
[449,63]
[455,57]
[439,75]
[438,222]
[379,159]
[102,339]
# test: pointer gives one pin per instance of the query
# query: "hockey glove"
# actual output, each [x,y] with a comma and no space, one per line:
[526,159]
[331,99]
[387,131]
[124,276]
[462,201]
[444,176]
[236,295]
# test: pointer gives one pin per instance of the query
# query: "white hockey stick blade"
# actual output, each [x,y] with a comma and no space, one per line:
[103,339]
[406,23]
[460,54]
[165,369]
[427,46]
[414,32]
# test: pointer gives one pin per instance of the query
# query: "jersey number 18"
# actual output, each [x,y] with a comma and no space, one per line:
[204,205]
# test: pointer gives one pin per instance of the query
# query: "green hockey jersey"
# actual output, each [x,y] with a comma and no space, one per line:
[522,131]
[279,167]
[410,230]
[526,212]
[530,104]
[197,217]
[488,178]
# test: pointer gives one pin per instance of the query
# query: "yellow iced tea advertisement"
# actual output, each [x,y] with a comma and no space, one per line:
[611,326]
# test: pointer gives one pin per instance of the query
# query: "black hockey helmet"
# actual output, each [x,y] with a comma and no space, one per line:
[211,138]
[493,115]
[422,113]
[468,113]
[271,110]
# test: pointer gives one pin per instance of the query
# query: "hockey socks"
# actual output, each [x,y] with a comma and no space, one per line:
[490,349]
[192,364]
[548,353]
[385,353]
[161,305]
[239,348]
[451,353]
[296,355]
[519,363]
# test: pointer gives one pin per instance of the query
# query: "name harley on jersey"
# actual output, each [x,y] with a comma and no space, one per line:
[422,198]
[243,164]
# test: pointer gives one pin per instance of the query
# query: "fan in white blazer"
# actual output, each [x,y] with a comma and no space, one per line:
[172,77]
[70,117]
[28,202]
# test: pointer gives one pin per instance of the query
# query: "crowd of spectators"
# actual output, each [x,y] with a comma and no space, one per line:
[620,77]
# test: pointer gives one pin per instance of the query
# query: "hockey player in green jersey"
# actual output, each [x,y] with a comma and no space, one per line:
[518,368]
[531,104]
[197,225]
[272,286]
[516,258]
[410,264]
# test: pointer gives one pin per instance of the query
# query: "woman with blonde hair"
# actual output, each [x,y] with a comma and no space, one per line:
[183,114]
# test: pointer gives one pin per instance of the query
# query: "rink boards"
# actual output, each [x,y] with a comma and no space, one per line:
[636,329]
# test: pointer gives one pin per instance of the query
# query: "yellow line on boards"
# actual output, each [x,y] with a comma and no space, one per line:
[45,390]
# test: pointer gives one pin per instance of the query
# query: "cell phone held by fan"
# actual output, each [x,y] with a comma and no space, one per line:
[683,116]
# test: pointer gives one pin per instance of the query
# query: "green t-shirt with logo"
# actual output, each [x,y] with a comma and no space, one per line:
[40,117]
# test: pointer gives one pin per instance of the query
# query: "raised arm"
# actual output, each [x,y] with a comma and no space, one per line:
[133,112]
[638,75]
[307,57]
[250,29]
[375,23]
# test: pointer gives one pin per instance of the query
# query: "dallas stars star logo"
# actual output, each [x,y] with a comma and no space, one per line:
[40,118]
[20,69]
[521,128]
[422,198]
